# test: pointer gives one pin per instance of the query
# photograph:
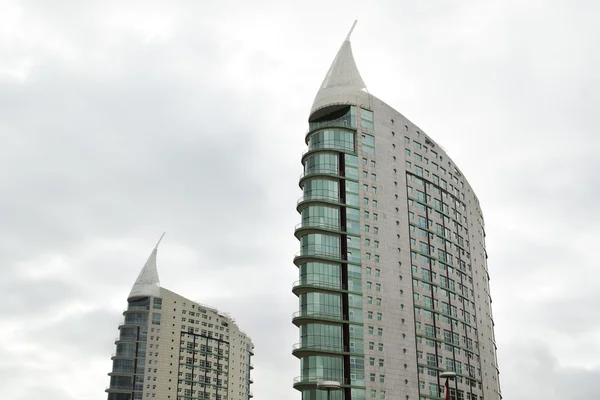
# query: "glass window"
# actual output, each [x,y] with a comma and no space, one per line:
[366,118]
[368,144]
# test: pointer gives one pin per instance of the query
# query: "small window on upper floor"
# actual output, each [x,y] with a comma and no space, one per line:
[366,118]
[368,143]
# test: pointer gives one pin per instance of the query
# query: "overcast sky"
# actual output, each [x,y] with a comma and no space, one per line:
[121,120]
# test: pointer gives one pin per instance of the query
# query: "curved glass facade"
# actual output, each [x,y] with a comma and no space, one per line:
[127,376]
[331,238]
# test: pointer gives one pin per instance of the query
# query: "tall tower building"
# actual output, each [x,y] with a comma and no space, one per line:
[393,269]
[170,347]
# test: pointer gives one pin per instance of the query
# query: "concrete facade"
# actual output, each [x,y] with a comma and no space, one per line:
[170,347]
[424,283]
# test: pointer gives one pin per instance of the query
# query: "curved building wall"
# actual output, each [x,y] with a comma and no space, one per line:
[402,290]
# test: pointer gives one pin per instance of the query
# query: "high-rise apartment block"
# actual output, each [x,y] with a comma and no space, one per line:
[170,347]
[394,285]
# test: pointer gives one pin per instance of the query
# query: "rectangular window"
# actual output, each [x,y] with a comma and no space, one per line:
[157,303]
[376,244]
[375,217]
[379,316]
[368,144]
[371,330]
[372,347]
[381,362]
[372,361]
[380,347]
[366,118]
[370,315]
[377,271]
[376,258]
[379,331]
[369,300]
[372,377]
[378,287]
[382,380]
[378,301]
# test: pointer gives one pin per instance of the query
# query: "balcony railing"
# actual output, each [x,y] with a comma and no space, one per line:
[319,254]
[346,121]
[320,222]
[335,145]
[319,196]
[338,348]
[324,170]
[320,284]
[314,379]
[138,308]
[319,314]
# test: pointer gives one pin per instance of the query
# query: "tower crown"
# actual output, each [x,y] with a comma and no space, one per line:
[342,78]
[147,282]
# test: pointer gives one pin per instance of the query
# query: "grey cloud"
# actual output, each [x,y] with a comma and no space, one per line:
[114,137]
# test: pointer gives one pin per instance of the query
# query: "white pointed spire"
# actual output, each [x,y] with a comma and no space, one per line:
[342,77]
[343,70]
[147,282]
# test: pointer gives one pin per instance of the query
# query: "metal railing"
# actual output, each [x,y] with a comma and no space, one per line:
[327,170]
[317,314]
[315,379]
[322,347]
[319,196]
[320,222]
[343,122]
[336,145]
[311,252]
[320,284]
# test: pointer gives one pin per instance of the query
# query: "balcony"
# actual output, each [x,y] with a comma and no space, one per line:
[302,350]
[320,197]
[334,145]
[138,308]
[304,316]
[319,223]
[328,170]
[310,382]
[317,254]
[304,286]
[345,122]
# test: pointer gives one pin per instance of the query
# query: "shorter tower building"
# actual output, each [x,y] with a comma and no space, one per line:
[170,347]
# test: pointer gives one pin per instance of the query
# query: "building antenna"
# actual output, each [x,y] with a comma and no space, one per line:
[351,29]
